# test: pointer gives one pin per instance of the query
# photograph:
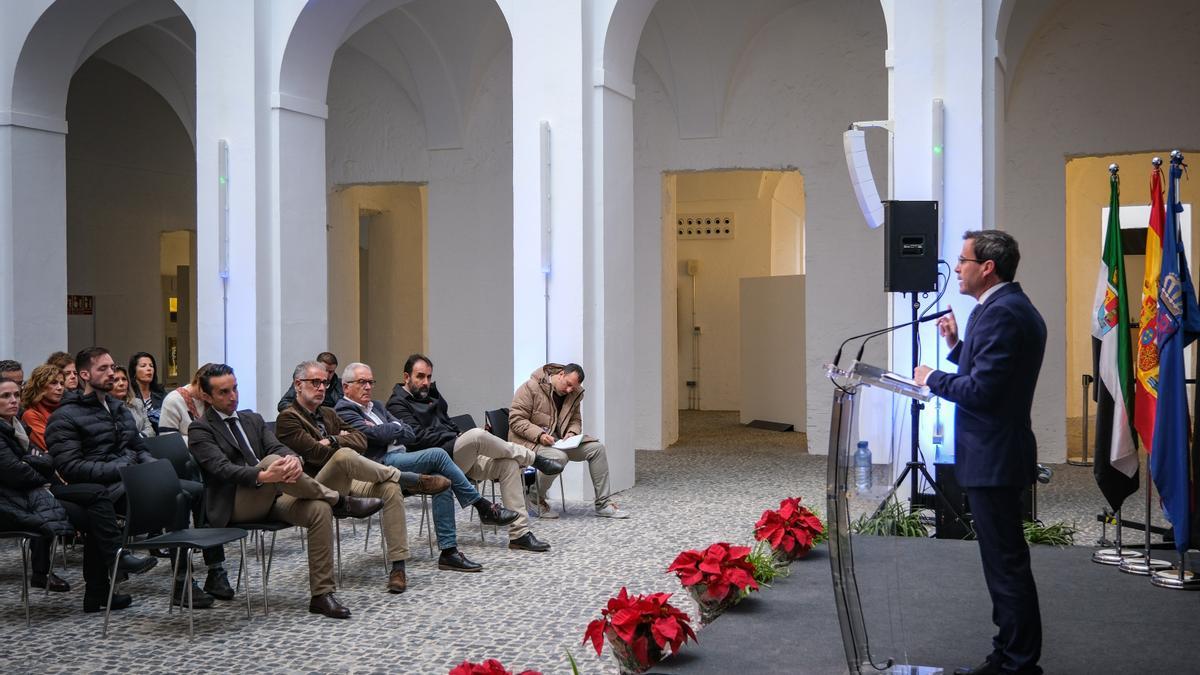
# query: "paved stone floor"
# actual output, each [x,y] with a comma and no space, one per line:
[526,609]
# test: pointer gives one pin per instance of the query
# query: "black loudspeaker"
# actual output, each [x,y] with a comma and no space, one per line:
[911,248]
[948,527]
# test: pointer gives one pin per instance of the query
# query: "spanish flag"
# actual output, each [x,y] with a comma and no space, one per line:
[1146,364]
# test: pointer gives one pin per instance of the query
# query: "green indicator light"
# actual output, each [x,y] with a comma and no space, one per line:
[222,180]
[937,149]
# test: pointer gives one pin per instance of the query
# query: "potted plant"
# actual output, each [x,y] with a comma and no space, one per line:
[639,628]
[791,530]
[488,667]
[716,578]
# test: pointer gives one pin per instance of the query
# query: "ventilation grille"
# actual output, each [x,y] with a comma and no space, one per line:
[704,226]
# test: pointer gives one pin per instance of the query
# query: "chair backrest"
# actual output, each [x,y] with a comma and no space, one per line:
[174,449]
[463,421]
[498,421]
[153,497]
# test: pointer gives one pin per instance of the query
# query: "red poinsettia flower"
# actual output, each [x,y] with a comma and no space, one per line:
[791,528]
[638,619]
[489,667]
[722,569]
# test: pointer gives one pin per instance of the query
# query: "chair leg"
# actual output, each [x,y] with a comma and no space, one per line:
[25,577]
[562,493]
[303,537]
[270,556]
[495,528]
[112,585]
[387,564]
[187,583]
[426,517]
[337,536]
[241,566]
[367,539]
[53,546]
[175,575]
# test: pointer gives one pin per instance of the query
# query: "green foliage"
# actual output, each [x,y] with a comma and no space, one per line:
[574,666]
[767,567]
[1054,534]
[891,520]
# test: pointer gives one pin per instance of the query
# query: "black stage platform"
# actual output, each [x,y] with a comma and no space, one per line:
[925,604]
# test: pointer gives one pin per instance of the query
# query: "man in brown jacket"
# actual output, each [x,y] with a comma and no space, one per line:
[319,436]
[546,409]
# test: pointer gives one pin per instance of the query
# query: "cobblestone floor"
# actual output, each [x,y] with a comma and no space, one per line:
[527,610]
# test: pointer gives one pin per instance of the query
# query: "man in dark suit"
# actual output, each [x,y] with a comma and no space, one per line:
[995,449]
[249,476]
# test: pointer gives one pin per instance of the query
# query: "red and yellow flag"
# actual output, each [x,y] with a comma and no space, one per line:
[1146,365]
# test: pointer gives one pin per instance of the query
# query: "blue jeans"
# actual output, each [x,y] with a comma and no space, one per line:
[436,462]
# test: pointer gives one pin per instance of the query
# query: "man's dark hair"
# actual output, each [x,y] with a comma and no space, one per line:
[86,357]
[414,360]
[208,373]
[999,247]
[327,358]
[8,366]
[574,368]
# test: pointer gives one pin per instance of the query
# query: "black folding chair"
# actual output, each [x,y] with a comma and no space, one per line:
[25,539]
[174,449]
[265,556]
[154,501]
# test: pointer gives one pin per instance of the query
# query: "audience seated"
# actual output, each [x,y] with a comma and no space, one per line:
[319,436]
[66,363]
[143,371]
[13,370]
[386,441]
[32,499]
[40,397]
[92,435]
[481,456]
[546,408]
[122,391]
[249,476]
[333,392]
[181,406]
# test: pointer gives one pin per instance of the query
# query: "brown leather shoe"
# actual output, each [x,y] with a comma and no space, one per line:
[329,606]
[397,581]
[430,485]
[357,507]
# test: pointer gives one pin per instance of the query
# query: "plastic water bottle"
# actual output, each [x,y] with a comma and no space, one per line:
[862,467]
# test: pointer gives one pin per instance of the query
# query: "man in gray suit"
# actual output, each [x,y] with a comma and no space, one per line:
[249,476]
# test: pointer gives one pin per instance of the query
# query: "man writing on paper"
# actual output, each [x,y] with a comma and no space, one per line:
[546,410]
[995,449]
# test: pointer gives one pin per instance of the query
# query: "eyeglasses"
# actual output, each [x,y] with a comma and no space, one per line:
[316,383]
[365,383]
[977,261]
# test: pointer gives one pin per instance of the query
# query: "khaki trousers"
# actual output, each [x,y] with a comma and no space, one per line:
[479,442]
[348,472]
[591,452]
[505,470]
[305,503]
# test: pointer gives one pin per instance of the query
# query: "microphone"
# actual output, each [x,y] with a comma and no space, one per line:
[881,331]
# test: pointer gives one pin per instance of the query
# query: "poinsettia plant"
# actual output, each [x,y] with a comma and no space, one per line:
[645,623]
[721,568]
[488,667]
[791,530]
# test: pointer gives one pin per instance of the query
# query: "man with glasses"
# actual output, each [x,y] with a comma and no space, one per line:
[333,392]
[387,438]
[333,454]
[995,449]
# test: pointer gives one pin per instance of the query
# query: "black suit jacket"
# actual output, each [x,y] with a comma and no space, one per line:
[998,365]
[220,458]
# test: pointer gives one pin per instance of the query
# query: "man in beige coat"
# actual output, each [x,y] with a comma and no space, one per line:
[546,409]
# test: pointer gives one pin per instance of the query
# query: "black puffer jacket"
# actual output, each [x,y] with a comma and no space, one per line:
[429,419]
[89,444]
[25,504]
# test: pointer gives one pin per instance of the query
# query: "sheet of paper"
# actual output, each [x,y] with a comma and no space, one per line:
[569,443]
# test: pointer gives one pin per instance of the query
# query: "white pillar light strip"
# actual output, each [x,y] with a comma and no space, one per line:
[544,157]
[223,209]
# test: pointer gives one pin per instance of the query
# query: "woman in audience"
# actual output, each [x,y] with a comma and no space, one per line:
[66,363]
[143,371]
[121,390]
[44,389]
[182,406]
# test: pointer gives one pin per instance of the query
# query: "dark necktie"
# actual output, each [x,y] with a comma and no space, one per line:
[971,318]
[251,460]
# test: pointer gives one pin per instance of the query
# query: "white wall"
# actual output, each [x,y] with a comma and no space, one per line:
[807,72]
[130,177]
[772,350]
[1097,77]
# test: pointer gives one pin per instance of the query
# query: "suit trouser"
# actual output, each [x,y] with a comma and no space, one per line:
[593,453]
[504,470]
[305,503]
[1005,556]
[475,442]
[90,511]
[348,472]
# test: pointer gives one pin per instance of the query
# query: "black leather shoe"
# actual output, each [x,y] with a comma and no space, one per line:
[200,599]
[528,542]
[357,507]
[160,553]
[52,580]
[985,668]
[93,604]
[217,584]
[497,515]
[548,466]
[135,564]
[329,606]
[457,562]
